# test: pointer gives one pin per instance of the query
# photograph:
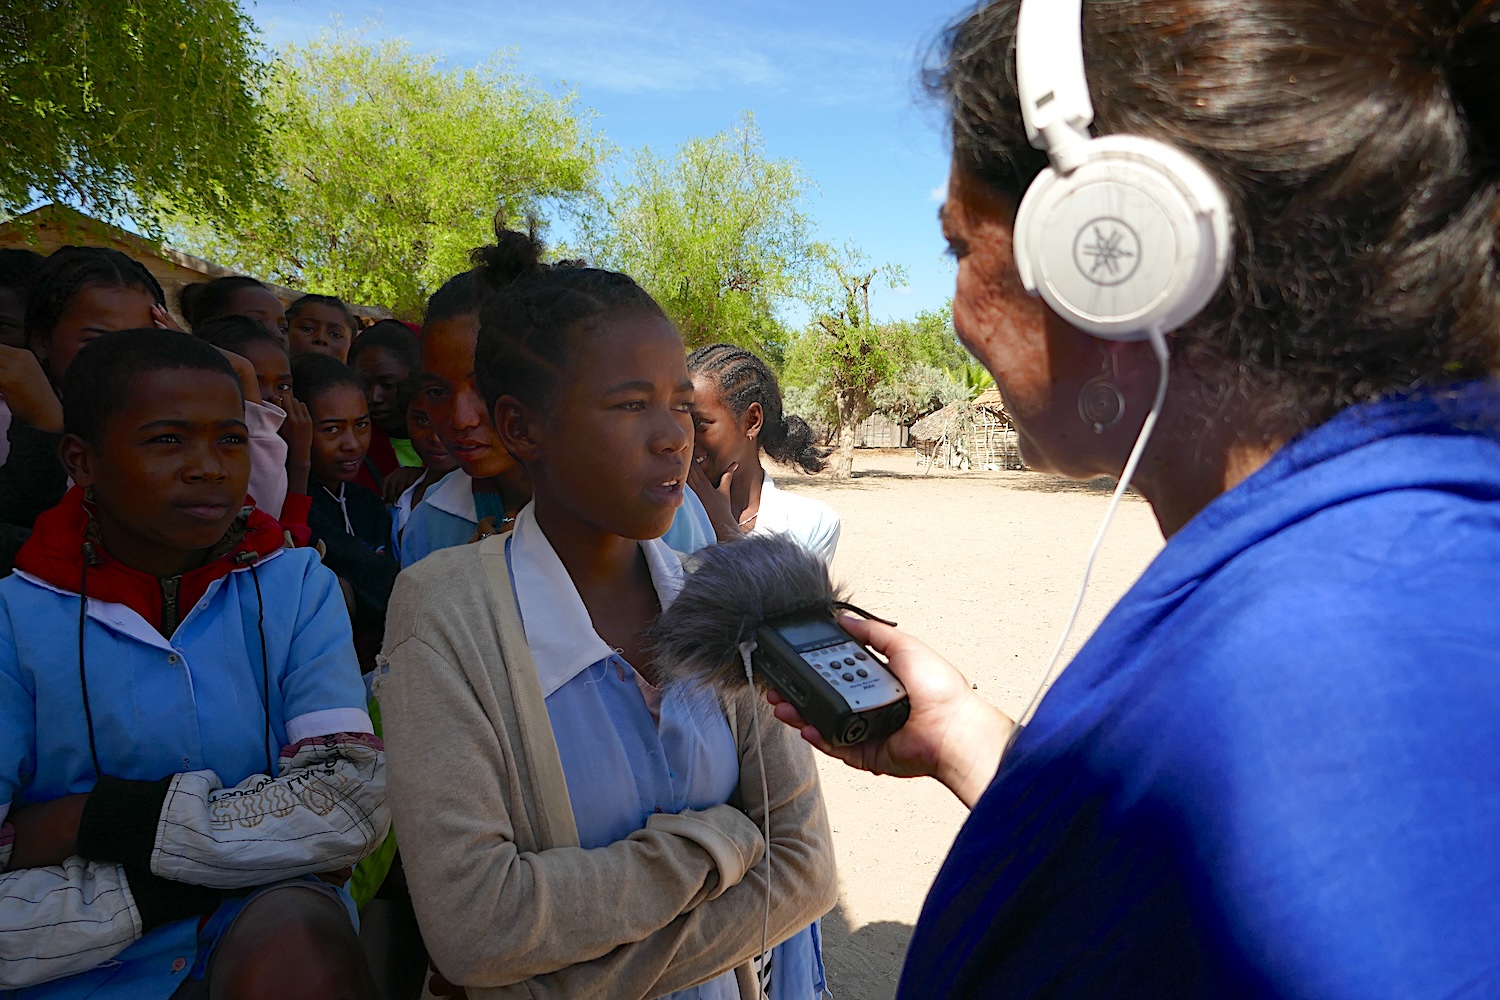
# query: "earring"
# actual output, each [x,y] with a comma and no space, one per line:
[1100,402]
[88,494]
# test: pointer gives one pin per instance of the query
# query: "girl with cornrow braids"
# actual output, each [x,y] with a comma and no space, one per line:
[737,414]
[78,295]
[569,826]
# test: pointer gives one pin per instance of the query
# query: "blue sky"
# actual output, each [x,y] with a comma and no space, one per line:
[831,83]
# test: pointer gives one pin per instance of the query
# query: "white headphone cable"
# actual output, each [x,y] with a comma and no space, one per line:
[763,966]
[1159,348]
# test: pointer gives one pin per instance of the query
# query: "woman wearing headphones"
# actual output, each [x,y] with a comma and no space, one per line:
[1272,771]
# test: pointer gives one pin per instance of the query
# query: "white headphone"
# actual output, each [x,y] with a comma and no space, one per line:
[1124,237]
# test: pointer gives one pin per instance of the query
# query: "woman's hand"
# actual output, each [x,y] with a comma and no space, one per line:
[297,432]
[46,833]
[953,735]
[245,372]
[398,482]
[440,987]
[715,499]
[162,320]
[25,388]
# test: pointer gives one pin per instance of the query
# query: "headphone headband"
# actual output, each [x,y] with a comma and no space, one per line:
[1050,77]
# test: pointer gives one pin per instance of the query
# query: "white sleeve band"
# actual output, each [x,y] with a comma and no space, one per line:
[327,722]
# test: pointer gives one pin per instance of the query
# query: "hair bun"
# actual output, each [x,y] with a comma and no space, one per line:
[1474,72]
[510,256]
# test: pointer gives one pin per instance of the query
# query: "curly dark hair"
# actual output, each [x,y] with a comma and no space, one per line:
[1359,144]
[512,254]
[743,378]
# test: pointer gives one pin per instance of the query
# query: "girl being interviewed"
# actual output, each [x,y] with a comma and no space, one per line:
[569,828]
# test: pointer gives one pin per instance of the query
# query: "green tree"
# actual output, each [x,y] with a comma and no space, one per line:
[844,349]
[392,167]
[717,234]
[118,107]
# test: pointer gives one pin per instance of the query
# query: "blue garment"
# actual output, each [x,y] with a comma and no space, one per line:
[447,517]
[1275,768]
[622,765]
[162,707]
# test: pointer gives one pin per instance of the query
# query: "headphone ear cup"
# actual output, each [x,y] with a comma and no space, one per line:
[1135,239]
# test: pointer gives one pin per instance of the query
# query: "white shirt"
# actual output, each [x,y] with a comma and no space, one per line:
[558,627]
[811,522]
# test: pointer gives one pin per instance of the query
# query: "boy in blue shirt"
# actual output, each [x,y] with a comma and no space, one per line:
[186,766]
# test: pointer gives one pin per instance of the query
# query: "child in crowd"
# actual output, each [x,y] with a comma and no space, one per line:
[17,269]
[250,340]
[737,414]
[320,324]
[389,359]
[184,788]
[78,294]
[529,831]
[489,486]
[436,463]
[350,521]
[236,295]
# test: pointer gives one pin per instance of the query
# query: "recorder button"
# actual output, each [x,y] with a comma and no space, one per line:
[848,677]
[848,661]
[861,656]
[863,672]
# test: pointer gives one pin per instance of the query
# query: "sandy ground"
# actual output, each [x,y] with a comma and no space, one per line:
[984,567]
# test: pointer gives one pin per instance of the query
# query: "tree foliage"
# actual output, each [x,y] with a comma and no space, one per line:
[716,233]
[117,106]
[843,349]
[392,167]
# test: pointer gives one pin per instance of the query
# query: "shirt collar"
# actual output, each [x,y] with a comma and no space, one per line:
[770,516]
[558,628]
[454,494]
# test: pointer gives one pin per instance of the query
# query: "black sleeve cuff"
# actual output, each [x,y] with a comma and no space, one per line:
[119,821]
[162,901]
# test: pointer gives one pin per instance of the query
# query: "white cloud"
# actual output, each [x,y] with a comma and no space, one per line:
[904,290]
[655,47]
[939,193]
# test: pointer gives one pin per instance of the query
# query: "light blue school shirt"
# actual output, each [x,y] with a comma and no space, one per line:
[446,517]
[620,764]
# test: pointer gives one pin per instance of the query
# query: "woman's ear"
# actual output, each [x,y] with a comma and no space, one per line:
[753,420]
[78,459]
[516,427]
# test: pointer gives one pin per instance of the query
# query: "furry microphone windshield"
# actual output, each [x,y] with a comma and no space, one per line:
[731,590]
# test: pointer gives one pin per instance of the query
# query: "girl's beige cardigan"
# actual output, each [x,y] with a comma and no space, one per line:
[509,905]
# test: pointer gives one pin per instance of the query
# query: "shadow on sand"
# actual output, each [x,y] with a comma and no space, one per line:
[863,964]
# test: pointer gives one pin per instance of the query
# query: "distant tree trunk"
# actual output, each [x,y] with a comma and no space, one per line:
[843,456]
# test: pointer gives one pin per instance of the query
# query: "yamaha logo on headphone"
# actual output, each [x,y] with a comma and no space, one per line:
[1107,251]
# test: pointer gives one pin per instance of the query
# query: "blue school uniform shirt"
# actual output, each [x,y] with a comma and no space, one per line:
[1274,770]
[163,706]
[621,764]
[447,517]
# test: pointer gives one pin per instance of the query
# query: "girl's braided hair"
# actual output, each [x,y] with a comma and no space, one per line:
[69,271]
[527,328]
[742,379]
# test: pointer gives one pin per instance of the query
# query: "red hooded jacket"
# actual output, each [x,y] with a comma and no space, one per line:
[54,554]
